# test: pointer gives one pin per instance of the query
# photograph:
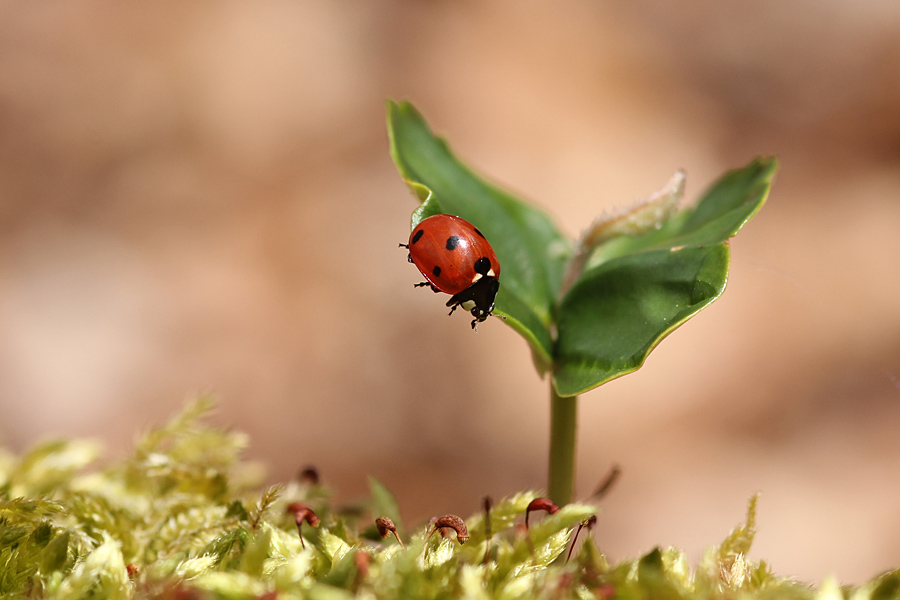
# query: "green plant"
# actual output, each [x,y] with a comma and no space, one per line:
[177,520]
[591,309]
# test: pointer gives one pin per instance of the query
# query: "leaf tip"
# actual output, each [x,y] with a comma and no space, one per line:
[766,165]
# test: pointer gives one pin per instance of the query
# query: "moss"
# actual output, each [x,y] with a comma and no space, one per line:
[172,520]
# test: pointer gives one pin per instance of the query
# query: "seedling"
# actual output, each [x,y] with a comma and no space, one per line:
[591,309]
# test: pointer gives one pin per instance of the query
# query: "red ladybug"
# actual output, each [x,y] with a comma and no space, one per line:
[456,259]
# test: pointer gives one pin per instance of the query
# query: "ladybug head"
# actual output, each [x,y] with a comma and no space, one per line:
[478,298]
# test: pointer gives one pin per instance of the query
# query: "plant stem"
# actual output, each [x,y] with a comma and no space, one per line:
[563,426]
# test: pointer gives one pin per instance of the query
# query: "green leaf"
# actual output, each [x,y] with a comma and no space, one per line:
[888,587]
[53,557]
[741,537]
[531,250]
[256,552]
[628,293]
[638,289]
[722,211]
[619,311]
[729,204]
[384,504]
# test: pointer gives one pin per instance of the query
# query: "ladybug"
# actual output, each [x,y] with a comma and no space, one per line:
[456,259]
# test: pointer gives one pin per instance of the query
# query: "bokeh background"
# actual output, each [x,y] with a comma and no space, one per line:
[197,197]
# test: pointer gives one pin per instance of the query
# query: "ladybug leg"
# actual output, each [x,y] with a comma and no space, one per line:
[452,308]
[408,256]
[424,283]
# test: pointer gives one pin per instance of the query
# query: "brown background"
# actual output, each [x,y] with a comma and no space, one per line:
[198,197]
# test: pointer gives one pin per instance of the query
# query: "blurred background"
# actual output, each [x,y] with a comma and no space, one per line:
[197,197]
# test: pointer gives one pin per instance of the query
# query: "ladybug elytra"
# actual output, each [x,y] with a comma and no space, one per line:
[455,258]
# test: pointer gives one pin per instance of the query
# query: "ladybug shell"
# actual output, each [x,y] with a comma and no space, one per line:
[451,253]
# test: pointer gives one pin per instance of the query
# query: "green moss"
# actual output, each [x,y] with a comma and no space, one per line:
[173,521]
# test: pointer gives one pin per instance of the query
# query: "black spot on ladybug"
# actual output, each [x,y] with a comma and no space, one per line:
[452,242]
[478,232]
[418,236]
[483,265]
[436,271]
